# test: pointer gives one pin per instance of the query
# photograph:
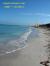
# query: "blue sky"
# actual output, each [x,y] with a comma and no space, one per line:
[34,11]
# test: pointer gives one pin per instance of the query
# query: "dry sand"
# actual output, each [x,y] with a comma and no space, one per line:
[31,55]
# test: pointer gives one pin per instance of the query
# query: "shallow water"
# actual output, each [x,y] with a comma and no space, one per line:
[14,37]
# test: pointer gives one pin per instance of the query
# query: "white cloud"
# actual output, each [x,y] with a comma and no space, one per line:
[38,14]
[43,14]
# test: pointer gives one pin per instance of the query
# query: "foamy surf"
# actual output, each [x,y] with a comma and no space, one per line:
[20,43]
[25,36]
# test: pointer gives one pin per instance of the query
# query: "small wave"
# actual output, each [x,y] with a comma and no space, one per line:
[10,51]
[25,36]
[21,42]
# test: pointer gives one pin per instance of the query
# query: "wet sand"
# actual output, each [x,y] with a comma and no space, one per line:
[31,55]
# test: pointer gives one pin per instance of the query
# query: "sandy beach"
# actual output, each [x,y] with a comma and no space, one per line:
[31,55]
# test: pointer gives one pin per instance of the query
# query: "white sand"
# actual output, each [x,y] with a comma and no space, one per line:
[29,56]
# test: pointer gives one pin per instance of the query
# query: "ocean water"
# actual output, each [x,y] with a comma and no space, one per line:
[14,37]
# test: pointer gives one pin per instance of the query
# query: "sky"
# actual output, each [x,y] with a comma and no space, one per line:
[34,12]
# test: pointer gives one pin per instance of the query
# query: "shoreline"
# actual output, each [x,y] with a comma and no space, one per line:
[30,55]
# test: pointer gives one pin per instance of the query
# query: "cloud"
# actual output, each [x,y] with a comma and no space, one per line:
[43,14]
[27,14]
[37,14]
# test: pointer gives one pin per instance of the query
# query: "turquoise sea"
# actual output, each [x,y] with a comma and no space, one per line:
[14,37]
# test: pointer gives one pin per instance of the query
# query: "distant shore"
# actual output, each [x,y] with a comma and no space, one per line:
[42,26]
[45,25]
